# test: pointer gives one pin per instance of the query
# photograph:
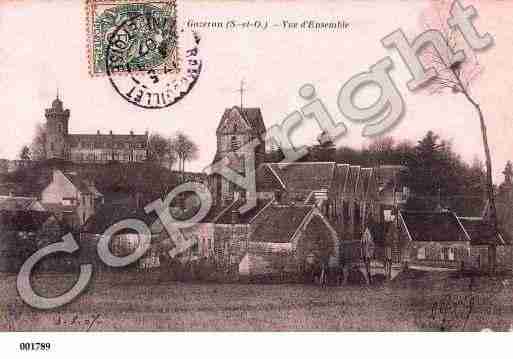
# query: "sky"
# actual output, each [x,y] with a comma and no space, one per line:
[44,47]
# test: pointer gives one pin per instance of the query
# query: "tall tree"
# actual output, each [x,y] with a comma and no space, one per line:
[38,145]
[184,149]
[25,153]
[425,166]
[160,152]
[458,78]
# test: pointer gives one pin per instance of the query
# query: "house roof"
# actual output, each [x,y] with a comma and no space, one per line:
[482,232]
[23,221]
[433,226]
[82,184]
[267,180]
[277,223]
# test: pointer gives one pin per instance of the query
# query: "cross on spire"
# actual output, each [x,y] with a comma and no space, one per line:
[241,90]
[57,92]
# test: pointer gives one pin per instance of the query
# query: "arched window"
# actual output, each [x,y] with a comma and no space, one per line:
[59,127]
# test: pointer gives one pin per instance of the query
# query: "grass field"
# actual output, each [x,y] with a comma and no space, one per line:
[125,302]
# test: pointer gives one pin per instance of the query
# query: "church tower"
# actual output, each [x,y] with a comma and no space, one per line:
[57,119]
[238,127]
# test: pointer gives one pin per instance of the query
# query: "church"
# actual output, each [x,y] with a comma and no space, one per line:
[89,148]
[308,214]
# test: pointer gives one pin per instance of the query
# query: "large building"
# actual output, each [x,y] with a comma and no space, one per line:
[97,147]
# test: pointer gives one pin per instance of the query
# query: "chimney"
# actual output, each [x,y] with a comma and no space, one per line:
[131,133]
[235,217]
[98,132]
[110,132]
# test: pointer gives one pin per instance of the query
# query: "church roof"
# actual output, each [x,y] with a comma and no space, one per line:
[252,115]
[298,176]
[341,175]
[352,180]
[363,183]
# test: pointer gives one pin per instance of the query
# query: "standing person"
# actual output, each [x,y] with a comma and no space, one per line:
[367,250]
[391,237]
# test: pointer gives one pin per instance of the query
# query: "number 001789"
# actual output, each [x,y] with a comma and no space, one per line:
[35,346]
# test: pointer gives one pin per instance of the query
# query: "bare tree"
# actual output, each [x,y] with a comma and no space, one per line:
[457,78]
[159,151]
[380,149]
[38,145]
[382,144]
[184,149]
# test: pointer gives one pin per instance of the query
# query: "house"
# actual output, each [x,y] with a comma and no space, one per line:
[433,239]
[22,232]
[276,238]
[442,240]
[490,250]
[126,241]
[71,197]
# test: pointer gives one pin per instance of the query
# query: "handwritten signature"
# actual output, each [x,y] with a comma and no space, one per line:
[78,321]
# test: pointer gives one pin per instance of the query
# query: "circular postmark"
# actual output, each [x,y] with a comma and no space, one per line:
[144,64]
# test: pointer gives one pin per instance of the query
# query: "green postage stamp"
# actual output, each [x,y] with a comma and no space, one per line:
[137,36]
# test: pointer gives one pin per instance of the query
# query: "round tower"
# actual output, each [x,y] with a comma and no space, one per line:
[56,130]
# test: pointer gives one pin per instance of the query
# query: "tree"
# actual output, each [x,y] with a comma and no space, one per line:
[25,153]
[381,148]
[160,152]
[38,145]
[184,149]
[324,151]
[457,77]
[426,166]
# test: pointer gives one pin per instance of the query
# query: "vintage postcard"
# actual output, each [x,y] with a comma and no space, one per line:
[263,166]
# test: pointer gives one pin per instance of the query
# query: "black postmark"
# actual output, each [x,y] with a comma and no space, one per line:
[152,88]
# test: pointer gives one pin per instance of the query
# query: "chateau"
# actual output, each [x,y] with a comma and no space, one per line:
[100,148]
